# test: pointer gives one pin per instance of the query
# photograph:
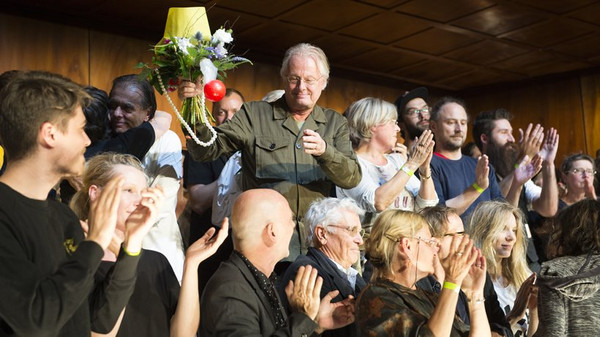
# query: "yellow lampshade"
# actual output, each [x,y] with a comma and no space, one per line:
[187,21]
[1,156]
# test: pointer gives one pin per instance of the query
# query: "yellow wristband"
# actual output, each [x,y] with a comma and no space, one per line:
[452,286]
[407,170]
[517,165]
[478,188]
[130,253]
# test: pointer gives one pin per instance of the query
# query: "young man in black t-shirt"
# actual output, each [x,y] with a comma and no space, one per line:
[47,266]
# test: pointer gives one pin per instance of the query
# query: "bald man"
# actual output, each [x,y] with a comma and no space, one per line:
[240,299]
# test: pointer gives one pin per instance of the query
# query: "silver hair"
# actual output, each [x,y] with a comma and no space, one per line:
[325,212]
[366,113]
[306,49]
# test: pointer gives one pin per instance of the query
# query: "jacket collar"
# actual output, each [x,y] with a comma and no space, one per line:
[241,265]
[336,276]
[281,111]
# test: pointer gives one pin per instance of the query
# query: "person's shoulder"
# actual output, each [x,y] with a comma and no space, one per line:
[228,282]
[255,107]
[332,115]
[169,141]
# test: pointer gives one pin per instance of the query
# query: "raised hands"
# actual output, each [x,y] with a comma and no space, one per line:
[335,315]
[475,280]
[140,221]
[402,150]
[550,146]
[102,219]
[304,292]
[482,172]
[526,299]
[421,152]
[461,256]
[207,245]
[530,141]
[188,89]
[527,169]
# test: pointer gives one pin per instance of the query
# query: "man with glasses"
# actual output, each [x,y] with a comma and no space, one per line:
[334,234]
[291,145]
[445,224]
[413,114]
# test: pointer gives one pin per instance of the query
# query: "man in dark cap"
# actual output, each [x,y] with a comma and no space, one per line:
[413,114]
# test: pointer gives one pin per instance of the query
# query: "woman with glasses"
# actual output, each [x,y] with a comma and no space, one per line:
[497,228]
[388,179]
[577,173]
[403,251]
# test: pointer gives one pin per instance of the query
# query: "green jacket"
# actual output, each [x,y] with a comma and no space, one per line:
[273,155]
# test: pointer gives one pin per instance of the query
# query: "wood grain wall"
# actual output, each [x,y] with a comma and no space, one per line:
[90,57]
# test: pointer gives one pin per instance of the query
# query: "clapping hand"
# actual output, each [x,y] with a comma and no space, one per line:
[335,315]
[462,255]
[523,300]
[530,141]
[140,221]
[207,245]
[304,292]
[527,169]
[550,146]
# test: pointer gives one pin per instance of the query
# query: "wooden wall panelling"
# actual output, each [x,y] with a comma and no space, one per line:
[552,103]
[590,101]
[28,44]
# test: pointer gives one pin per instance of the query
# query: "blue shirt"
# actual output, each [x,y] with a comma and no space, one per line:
[452,177]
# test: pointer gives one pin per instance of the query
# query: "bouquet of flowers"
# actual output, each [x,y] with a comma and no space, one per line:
[190,56]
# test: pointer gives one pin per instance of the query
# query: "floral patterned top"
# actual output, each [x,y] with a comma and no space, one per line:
[385,308]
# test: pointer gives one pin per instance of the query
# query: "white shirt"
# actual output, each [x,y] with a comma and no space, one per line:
[163,165]
[350,273]
[374,176]
[506,298]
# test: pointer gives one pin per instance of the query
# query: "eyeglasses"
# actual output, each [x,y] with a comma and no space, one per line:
[456,233]
[432,242]
[580,172]
[309,82]
[352,230]
[390,122]
[423,112]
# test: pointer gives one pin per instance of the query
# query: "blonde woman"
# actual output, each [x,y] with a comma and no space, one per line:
[497,227]
[388,179]
[403,251]
[158,306]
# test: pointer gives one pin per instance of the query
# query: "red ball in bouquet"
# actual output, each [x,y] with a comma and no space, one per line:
[214,90]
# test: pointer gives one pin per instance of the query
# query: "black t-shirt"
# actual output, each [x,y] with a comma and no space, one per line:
[154,299]
[135,141]
[46,272]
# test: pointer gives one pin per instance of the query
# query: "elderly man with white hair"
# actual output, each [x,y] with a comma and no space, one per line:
[334,234]
[291,145]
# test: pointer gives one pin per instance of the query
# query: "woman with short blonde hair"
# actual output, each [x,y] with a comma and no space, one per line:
[403,251]
[389,179]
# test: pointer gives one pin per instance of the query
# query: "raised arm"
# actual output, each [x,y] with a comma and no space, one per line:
[462,201]
[187,315]
[547,203]
[419,160]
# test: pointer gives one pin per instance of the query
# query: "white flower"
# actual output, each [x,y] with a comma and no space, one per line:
[208,69]
[221,36]
[220,51]
[183,43]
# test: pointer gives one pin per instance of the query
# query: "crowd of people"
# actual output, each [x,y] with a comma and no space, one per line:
[299,220]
